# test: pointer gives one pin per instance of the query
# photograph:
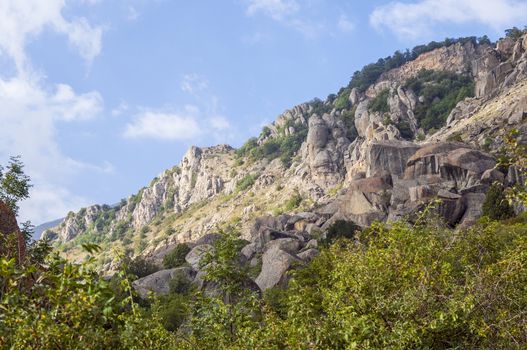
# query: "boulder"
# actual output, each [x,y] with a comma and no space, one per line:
[249,251]
[308,255]
[289,245]
[275,264]
[197,253]
[158,282]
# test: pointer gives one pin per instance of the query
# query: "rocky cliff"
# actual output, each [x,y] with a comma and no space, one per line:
[422,131]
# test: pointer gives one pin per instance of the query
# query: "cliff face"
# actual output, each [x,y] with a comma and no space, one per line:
[337,159]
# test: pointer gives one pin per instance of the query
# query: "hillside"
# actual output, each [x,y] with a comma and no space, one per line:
[427,125]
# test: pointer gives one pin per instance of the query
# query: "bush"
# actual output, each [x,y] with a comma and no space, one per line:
[341,229]
[496,205]
[176,257]
[180,284]
[380,102]
[141,267]
[246,182]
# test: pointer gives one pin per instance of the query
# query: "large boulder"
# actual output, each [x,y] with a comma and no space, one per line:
[389,157]
[197,253]
[275,264]
[159,282]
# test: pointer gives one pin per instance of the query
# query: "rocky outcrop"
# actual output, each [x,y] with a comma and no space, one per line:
[9,231]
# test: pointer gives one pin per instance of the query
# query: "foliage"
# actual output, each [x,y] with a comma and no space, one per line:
[342,100]
[140,267]
[341,229]
[293,202]
[176,257]
[247,181]
[514,157]
[441,92]
[14,184]
[380,102]
[496,205]
[369,74]
[515,33]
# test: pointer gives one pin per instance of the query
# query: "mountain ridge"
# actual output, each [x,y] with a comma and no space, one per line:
[338,158]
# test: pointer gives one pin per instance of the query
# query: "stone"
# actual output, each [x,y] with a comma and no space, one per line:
[249,251]
[8,226]
[275,264]
[388,157]
[289,245]
[308,255]
[312,244]
[158,282]
[197,253]
[490,176]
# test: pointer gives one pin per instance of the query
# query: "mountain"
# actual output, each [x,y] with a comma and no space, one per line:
[37,233]
[407,130]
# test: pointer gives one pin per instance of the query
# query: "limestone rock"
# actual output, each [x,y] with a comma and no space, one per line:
[275,264]
[158,282]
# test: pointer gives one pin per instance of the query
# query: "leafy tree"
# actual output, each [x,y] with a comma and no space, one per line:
[14,184]
[141,267]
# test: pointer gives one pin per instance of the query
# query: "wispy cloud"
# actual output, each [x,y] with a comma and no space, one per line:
[193,83]
[164,125]
[345,25]
[32,108]
[418,19]
[287,13]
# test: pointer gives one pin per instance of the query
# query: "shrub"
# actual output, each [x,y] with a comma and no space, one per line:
[141,267]
[496,205]
[176,257]
[341,229]
[380,102]
[246,182]
[180,284]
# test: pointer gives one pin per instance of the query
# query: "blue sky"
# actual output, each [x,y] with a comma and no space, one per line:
[100,96]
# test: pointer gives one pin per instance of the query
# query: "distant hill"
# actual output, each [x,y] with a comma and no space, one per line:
[43,227]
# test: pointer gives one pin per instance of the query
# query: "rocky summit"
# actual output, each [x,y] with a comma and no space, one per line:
[428,129]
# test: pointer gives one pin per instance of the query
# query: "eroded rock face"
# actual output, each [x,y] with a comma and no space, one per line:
[8,226]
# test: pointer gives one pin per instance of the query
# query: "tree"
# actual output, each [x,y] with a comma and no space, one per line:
[14,184]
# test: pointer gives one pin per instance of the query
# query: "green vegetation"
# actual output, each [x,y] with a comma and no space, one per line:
[140,267]
[515,33]
[441,91]
[341,229]
[176,257]
[369,74]
[246,182]
[14,184]
[282,146]
[496,205]
[380,102]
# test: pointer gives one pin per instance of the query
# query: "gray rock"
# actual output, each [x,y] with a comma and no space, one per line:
[275,264]
[249,251]
[158,282]
[308,255]
[289,245]
[197,253]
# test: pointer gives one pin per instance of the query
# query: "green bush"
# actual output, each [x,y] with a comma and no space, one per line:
[380,102]
[180,284]
[141,267]
[496,205]
[246,182]
[176,257]
[341,229]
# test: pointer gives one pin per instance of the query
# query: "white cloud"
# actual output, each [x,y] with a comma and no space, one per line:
[32,108]
[276,9]
[193,83]
[20,20]
[286,12]
[164,126]
[345,25]
[417,19]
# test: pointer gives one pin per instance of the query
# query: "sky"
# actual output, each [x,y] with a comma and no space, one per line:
[100,96]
